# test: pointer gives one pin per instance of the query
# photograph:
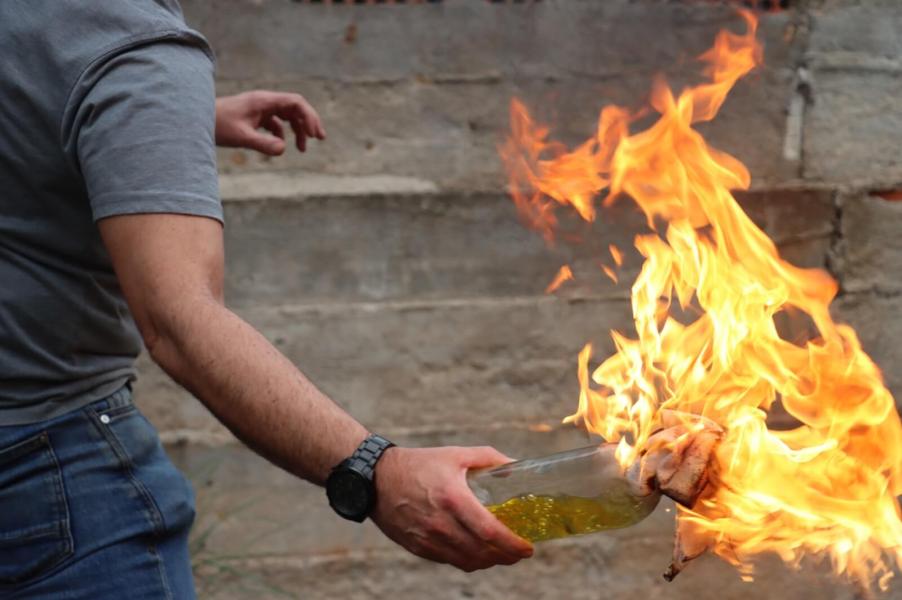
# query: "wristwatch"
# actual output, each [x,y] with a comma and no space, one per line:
[350,487]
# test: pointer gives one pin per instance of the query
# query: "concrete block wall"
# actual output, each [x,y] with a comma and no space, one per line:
[389,265]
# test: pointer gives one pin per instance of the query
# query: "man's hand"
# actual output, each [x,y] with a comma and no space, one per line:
[425,505]
[240,118]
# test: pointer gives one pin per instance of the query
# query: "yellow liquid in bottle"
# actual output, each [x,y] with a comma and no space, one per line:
[538,518]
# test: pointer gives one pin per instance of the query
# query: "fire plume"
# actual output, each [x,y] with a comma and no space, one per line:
[827,486]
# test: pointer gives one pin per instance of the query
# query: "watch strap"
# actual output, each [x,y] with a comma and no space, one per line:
[361,464]
[368,454]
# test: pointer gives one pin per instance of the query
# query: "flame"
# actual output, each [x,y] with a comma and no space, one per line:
[826,487]
[564,275]
[616,254]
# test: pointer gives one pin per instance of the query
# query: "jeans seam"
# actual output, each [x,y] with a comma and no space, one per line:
[153,510]
[128,466]
[61,498]
[161,568]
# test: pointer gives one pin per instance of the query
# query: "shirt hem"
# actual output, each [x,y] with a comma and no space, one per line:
[156,203]
[44,411]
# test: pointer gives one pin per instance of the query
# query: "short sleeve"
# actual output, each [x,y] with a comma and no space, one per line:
[143,133]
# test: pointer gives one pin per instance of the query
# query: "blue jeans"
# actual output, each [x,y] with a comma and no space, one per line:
[91,508]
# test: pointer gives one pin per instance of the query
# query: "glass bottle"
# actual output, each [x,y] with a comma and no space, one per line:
[559,495]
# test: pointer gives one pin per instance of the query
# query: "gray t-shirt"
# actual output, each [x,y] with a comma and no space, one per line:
[106,108]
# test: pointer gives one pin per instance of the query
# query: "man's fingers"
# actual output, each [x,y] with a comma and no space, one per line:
[445,549]
[475,551]
[451,543]
[461,549]
[264,142]
[483,456]
[298,126]
[484,526]
[272,124]
[312,123]
[295,109]
[477,519]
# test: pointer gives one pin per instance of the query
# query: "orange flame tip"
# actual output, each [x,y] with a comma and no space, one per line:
[564,274]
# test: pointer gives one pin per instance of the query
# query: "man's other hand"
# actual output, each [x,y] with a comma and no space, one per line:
[425,505]
[239,120]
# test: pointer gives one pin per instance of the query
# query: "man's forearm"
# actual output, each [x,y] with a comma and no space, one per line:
[254,390]
[170,267]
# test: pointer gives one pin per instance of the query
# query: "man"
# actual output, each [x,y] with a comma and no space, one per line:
[110,235]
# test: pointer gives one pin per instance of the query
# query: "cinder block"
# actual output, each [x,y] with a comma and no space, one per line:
[869,255]
[423,247]
[401,92]
[385,246]
[450,133]
[272,41]
[852,130]
[863,30]
[876,319]
[800,221]
[853,126]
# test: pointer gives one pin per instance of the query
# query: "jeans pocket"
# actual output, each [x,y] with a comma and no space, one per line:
[34,518]
[167,494]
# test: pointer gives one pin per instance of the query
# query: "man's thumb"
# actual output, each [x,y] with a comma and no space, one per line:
[484,456]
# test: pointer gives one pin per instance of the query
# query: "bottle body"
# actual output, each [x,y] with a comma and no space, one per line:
[569,493]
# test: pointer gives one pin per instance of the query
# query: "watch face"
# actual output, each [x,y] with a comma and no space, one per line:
[350,494]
